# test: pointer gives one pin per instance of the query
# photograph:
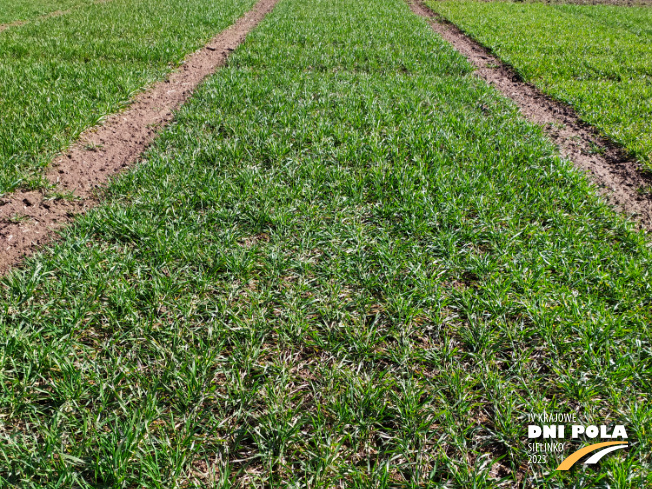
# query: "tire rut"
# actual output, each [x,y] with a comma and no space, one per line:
[28,219]
[621,178]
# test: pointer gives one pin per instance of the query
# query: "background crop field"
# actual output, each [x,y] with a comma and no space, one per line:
[597,58]
[635,20]
[13,10]
[348,263]
[61,75]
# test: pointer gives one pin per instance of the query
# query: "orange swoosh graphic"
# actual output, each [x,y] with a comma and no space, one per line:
[574,457]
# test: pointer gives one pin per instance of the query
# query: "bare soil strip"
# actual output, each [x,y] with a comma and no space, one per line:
[624,181]
[28,219]
[4,27]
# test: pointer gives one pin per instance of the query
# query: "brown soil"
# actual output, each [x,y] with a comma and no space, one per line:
[623,180]
[4,27]
[28,219]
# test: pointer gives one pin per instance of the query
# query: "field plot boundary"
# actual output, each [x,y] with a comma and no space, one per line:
[28,218]
[621,177]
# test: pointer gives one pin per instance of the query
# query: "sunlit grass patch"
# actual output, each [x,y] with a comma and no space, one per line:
[597,58]
[22,10]
[347,263]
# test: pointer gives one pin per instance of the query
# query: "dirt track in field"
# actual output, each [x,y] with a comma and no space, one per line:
[28,219]
[620,177]
[4,27]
